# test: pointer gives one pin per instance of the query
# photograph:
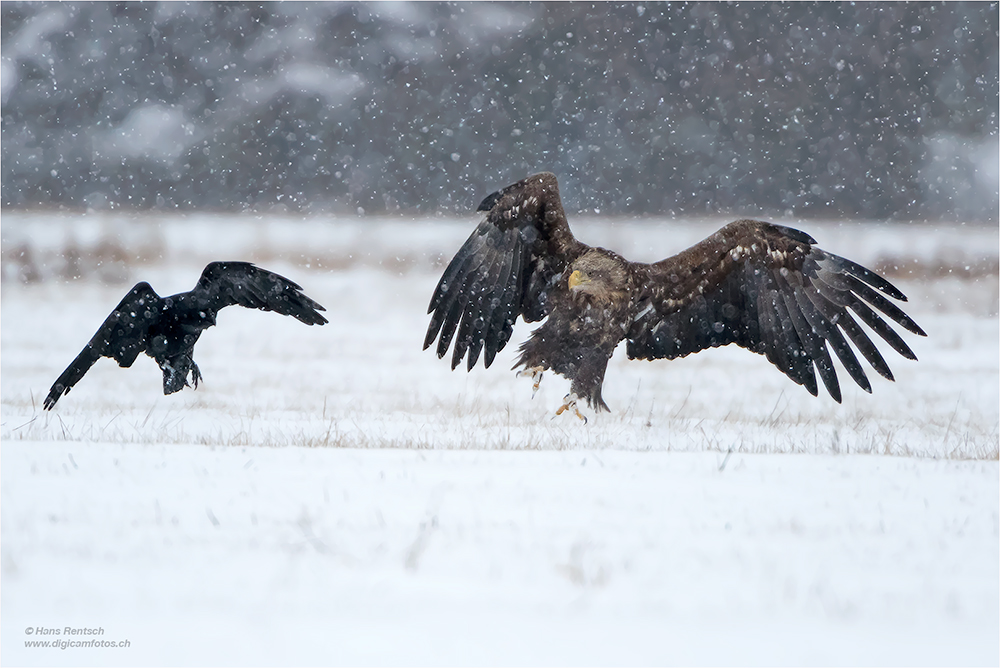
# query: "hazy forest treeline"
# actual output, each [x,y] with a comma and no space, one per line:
[868,110]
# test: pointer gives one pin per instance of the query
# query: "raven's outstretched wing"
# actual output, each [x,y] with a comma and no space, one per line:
[767,288]
[505,269]
[121,337]
[227,283]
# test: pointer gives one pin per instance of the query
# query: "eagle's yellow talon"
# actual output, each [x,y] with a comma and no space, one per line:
[569,402]
[536,375]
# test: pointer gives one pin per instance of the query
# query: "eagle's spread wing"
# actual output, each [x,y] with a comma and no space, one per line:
[767,288]
[505,269]
[228,283]
[121,337]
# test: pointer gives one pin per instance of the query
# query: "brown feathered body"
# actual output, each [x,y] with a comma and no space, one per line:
[764,287]
[603,306]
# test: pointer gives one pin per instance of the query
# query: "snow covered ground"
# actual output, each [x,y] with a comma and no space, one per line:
[335,495]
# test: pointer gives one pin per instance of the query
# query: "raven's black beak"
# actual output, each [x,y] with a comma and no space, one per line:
[487,204]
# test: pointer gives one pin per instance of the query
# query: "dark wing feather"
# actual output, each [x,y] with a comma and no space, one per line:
[121,337]
[241,283]
[768,289]
[504,270]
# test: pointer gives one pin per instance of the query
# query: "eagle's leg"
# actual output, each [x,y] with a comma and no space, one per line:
[569,403]
[536,375]
[587,377]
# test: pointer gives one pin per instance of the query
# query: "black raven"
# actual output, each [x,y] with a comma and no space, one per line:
[764,287]
[166,328]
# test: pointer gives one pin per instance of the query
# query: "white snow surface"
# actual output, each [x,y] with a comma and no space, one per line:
[335,495]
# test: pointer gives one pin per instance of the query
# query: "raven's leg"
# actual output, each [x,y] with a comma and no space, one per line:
[195,374]
[173,381]
[175,373]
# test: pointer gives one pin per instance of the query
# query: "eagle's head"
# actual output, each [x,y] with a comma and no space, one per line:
[593,284]
[579,281]
[598,274]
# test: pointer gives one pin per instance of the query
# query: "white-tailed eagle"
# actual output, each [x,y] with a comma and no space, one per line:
[764,287]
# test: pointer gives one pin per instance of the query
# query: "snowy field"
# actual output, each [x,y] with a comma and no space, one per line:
[335,495]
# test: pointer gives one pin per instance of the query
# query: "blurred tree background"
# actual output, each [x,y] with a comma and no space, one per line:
[869,110]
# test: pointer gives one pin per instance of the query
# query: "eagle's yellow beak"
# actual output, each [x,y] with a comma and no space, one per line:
[577,278]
